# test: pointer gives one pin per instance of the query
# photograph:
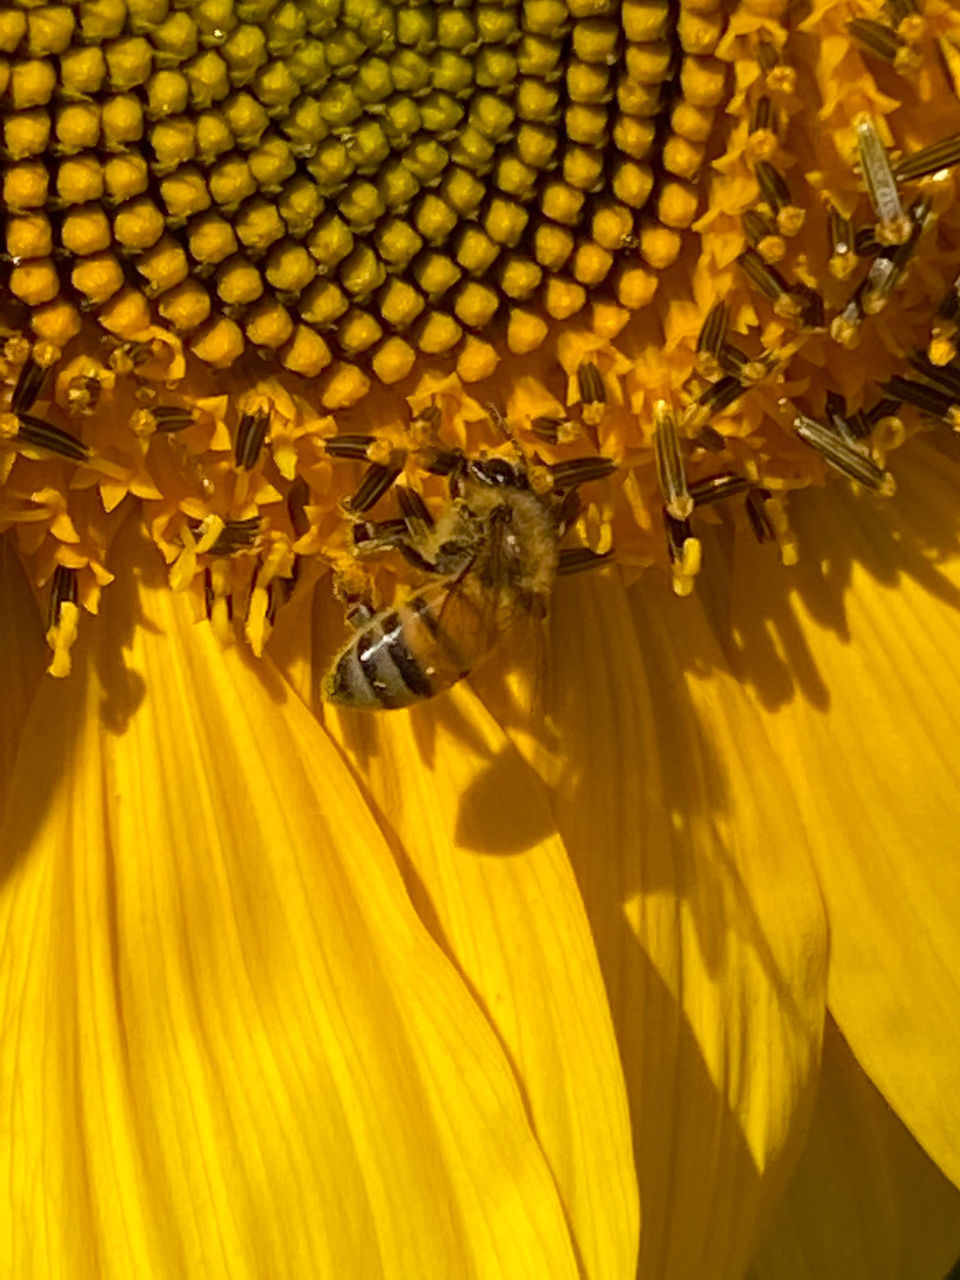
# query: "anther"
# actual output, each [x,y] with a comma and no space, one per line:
[43,435]
[30,382]
[790,216]
[236,535]
[887,269]
[673,481]
[685,553]
[843,259]
[710,438]
[939,155]
[770,283]
[763,235]
[440,462]
[577,559]
[170,418]
[849,461]
[884,42]
[348,446]
[886,407]
[251,434]
[865,242]
[556,430]
[927,399]
[577,471]
[745,369]
[297,500]
[893,225]
[62,619]
[711,338]
[413,508]
[593,394]
[376,481]
[768,520]
[718,488]
[945,378]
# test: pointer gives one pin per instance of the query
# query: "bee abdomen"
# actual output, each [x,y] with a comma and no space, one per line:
[389,663]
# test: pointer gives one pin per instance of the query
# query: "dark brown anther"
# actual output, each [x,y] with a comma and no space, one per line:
[577,471]
[949,308]
[43,435]
[413,508]
[251,434]
[440,462]
[376,481]
[767,55]
[877,38]
[553,430]
[590,381]
[760,522]
[710,438]
[849,427]
[773,186]
[884,408]
[769,281]
[679,535]
[945,378]
[718,488]
[901,9]
[764,118]
[762,235]
[63,590]
[297,500]
[374,536]
[348,446]
[170,418]
[927,399]
[939,155]
[887,269]
[810,313]
[236,535]
[713,331]
[842,244]
[577,559]
[843,457]
[865,242]
[30,382]
[721,395]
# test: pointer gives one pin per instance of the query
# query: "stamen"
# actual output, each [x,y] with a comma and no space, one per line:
[685,553]
[718,488]
[576,471]
[843,423]
[790,216]
[768,520]
[673,481]
[842,254]
[762,235]
[371,537]
[556,430]
[770,283]
[375,483]
[884,408]
[887,270]
[413,508]
[849,461]
[236,535]
[576,559]
[710,438]
[748,371]
[721,395]
[440,462]
[251,434]
[927,399]
[593,393]
[43,435]
[893,226]
[349,446]
[170,418]
[710,339]
[885,43]
[939,155]
[945,377]
[297,500]
[63,618]
[30,382]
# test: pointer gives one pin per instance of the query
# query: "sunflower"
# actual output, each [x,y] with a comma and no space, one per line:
[636,958]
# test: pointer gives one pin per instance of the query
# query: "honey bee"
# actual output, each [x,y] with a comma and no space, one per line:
[495,553]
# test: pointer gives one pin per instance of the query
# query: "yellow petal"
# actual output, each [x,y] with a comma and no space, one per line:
[866,1203]
[229,1047]
[491,878]
[22,657]
[707,921]
[856,653]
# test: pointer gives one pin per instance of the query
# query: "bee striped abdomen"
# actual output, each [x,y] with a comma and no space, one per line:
[401,657]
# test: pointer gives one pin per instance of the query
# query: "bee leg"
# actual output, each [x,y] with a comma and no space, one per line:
[576,559]
[373,537]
